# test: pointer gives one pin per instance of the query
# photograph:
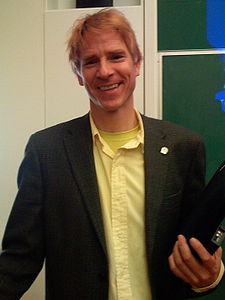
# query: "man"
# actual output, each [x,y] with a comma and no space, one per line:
[102,198]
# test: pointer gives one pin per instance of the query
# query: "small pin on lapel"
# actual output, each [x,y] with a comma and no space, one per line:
[164,150]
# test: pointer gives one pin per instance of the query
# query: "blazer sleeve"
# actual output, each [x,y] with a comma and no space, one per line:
[22,253]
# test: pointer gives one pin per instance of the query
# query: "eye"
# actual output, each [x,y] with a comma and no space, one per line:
[117,57]
[90,62]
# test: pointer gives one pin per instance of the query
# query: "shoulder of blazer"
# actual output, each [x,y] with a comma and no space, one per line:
[165,129]
[77,127]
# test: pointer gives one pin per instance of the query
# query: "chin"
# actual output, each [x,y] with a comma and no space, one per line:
[111,105]
[111,108]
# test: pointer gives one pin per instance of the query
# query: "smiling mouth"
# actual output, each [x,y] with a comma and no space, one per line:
[109,87]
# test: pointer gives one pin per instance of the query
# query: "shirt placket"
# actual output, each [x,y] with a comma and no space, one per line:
[120,226]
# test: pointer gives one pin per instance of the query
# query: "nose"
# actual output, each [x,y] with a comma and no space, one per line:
[105,70]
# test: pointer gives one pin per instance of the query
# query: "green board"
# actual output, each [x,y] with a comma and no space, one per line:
[190,83]
[182,24]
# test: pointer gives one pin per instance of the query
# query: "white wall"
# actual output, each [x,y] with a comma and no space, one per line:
[21,90]
[21,95]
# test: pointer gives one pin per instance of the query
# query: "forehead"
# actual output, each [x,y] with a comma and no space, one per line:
[102,41]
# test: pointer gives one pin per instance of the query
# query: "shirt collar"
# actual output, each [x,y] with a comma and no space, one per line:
[139,138]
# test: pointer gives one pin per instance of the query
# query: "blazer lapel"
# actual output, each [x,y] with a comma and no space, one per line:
[78,144]
[156,160]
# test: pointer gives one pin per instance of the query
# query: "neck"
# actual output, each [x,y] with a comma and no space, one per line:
[114,121]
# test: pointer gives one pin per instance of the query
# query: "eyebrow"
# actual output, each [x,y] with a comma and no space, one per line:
[88,57]
[113,52]
[117,51]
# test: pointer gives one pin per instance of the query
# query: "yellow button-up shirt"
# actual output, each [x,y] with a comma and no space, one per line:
[120,176]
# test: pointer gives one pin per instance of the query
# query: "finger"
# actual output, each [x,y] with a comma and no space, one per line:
[211,262]
[180,268]
[203,254]
[175,270]
[218,253]
[198,274]
[186,253]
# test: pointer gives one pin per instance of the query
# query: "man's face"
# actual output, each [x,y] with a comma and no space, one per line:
[108,71]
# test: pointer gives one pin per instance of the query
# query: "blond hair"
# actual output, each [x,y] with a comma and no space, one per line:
[107,20]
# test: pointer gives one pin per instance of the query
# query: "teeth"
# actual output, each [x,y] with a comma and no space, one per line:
[109,87]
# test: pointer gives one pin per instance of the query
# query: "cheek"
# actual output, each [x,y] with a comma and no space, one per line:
[88,78]
[129,71]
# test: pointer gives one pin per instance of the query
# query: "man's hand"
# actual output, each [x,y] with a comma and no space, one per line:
[198,273]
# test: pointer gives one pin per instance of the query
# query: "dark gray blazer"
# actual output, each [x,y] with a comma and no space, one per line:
[57,216]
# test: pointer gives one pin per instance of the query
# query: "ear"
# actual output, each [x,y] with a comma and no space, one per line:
[138,67]
[80,80]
